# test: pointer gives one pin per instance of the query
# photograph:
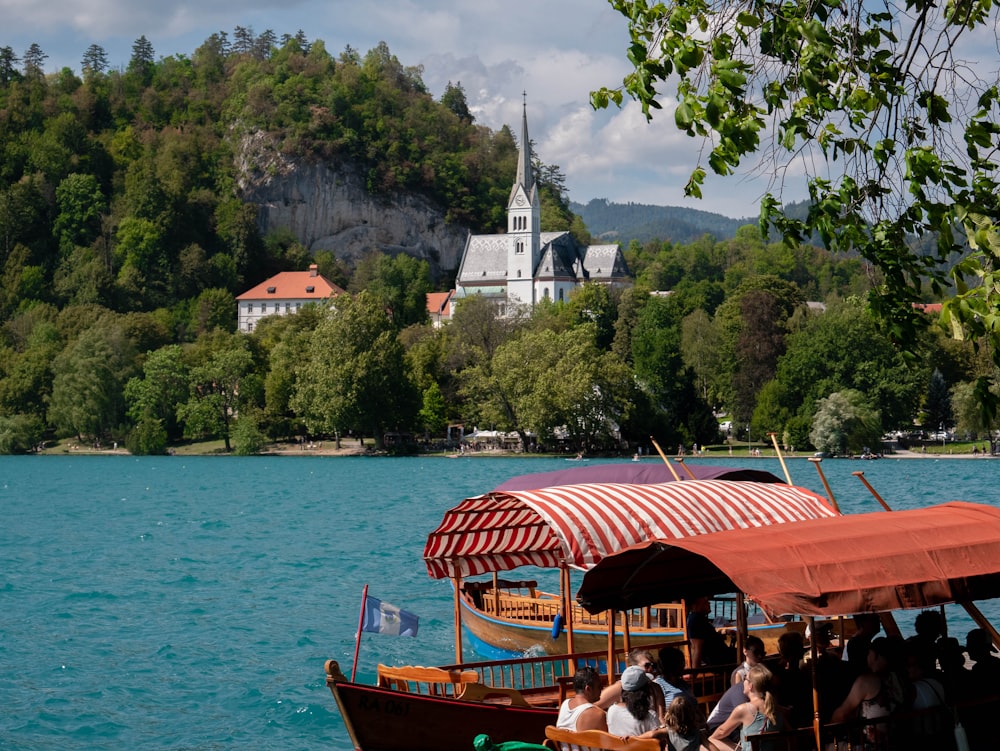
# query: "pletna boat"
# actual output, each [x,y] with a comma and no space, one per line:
[556,527]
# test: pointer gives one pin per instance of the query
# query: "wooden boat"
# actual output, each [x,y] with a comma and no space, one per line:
[860,563]
[557,527]
[506,619]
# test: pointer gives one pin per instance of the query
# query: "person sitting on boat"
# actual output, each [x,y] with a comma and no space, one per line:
[732,698]
[635,713]
[682,725]
[867,627]
[932,724]
[878,692]
[638,657]
[793,685]
[671,662]
[986,672]
[761,712]
[753,654]
[708,646]
[580,711]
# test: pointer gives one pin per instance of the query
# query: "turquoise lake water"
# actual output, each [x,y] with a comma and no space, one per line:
[189,603]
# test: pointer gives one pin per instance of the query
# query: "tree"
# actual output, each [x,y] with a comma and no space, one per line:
[937,405]
[218,389]
[454,99]
[81,204]
[543,380]
[94,62]
[845,423]
[355,375]
[400,282]
[34,59]
[89,376]
[156,395]
[142,60]
[899,131]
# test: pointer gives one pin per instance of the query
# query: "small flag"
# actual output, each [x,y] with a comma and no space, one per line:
[383,618]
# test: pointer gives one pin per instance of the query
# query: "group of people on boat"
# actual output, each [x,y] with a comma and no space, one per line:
[912,684]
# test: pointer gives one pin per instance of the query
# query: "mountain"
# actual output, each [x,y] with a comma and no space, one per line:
[624,222]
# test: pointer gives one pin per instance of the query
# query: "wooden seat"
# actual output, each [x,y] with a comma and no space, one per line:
[493,695]
[429,681]
[596,740]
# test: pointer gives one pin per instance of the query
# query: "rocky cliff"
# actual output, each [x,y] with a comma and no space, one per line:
[328,208]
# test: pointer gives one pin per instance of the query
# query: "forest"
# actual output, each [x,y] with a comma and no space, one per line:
[124,240]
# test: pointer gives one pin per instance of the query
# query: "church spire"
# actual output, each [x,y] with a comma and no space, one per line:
[525,174]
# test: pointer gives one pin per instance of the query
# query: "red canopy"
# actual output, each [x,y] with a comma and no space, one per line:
[833,566]
[580,524]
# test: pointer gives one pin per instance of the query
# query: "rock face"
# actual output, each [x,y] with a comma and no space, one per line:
[327,207]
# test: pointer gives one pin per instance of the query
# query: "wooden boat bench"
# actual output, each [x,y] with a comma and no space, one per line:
[429,681]
[480,692]
[596,740]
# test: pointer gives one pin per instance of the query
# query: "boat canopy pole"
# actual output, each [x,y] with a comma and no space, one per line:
[741,626]
[611,647]
[976,614]
[829,493]
[565,587]
[814,657]
[774,440]
[496,594]
[665,460]
[861,476]
[458,619]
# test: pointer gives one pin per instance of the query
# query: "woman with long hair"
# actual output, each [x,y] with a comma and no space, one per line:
[635,714]
[759,713]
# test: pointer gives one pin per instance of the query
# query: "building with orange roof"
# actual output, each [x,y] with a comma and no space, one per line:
[283,294]
[440,306]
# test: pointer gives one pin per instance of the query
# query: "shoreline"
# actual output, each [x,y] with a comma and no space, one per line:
[369,450]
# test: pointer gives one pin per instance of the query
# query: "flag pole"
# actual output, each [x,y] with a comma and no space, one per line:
[357,636]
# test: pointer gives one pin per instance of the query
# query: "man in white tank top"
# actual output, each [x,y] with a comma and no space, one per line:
[580,712]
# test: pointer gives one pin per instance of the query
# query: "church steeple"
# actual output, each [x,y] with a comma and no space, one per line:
[525,173]
[523,224]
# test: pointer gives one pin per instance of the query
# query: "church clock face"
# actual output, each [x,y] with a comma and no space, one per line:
[519,200]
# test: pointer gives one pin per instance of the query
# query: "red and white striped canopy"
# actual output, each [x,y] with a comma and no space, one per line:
[580,524]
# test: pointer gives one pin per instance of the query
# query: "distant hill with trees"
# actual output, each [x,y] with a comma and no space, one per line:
[624,222]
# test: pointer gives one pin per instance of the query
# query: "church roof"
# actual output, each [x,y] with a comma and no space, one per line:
[604,263]
[485,259]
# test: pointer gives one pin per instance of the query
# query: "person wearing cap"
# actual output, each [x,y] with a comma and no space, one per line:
[635,714]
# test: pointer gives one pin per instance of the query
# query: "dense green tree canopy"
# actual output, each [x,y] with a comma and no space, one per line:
[895,123]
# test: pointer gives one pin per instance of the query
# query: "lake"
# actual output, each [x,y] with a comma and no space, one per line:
[190,602]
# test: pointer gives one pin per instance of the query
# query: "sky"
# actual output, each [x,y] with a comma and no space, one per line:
[549,53]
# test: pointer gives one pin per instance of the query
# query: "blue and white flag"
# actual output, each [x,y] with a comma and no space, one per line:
[383,618]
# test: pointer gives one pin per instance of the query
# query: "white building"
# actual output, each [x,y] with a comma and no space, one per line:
[525,265]
[283,294]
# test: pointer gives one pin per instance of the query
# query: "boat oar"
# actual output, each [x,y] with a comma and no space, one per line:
[829,493]
[680,460]
[666,461]
[861,476]
[774,440]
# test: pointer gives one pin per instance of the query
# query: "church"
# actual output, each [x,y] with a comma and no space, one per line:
[525,265]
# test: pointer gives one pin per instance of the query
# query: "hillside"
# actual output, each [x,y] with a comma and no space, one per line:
[624,222]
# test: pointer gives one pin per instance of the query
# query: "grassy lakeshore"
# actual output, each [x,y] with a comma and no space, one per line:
[351,447]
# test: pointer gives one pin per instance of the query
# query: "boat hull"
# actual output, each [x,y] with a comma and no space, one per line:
[381,719]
